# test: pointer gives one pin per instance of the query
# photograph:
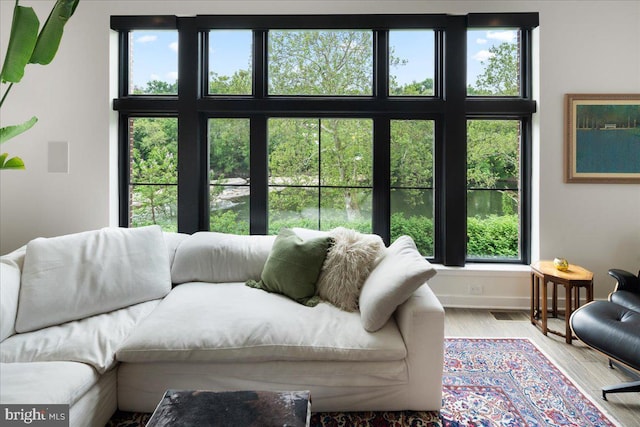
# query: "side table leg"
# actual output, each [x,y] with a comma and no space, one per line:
[544,307]
[533,294]
[567,313]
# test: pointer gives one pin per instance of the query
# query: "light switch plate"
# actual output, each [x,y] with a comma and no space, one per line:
[58,157]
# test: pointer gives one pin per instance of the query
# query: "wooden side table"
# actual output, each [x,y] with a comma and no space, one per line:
[573,280]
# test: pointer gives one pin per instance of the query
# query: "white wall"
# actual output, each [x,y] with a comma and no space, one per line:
[584,47]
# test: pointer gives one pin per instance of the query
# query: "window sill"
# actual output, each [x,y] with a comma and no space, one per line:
[482,269]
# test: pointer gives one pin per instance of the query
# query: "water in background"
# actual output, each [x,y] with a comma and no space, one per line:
[608,151]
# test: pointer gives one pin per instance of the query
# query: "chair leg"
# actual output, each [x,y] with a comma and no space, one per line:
[621,388]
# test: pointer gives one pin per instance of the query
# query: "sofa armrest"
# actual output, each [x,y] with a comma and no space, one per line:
[421,323]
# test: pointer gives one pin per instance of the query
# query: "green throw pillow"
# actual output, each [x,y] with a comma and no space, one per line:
[293,267]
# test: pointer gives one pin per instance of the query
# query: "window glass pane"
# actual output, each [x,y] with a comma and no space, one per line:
[153,145]
[310,62]
[493,62]
[153,62]
[346,152]
[320,173]
[293,207]
[230,58]
[346,207]
[411,62]
[229,175]
[412,143]
[493,189]
[154,204]
[294,151]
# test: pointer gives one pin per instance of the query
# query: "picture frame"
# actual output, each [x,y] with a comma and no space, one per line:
[602,138]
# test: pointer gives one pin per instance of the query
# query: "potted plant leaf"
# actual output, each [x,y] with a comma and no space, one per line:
[28,44]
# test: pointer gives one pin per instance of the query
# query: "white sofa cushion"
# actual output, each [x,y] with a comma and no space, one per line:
[208,256]
[399,274]
[93,340]
[10,266]
[79,275]
[9,291]
[173,240]
[45,382]
[230,322]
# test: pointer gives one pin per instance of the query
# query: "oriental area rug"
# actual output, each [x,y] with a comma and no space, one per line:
[486,382]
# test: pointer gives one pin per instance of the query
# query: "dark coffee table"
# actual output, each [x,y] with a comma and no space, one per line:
[191,408]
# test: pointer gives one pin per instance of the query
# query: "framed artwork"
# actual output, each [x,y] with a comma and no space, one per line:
[602,138]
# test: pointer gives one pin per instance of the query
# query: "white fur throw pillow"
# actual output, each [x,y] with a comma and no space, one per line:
[348,263]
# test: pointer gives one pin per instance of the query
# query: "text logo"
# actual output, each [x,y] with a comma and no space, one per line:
[34,415]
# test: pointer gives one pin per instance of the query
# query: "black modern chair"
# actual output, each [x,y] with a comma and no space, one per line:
[613,328]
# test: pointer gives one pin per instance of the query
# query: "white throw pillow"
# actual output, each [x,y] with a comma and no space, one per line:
[213,257]
[349,261]
[173,240]
[79,275]
[399,274]
[9,291]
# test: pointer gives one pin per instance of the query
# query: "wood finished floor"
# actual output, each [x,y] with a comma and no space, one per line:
[587,368]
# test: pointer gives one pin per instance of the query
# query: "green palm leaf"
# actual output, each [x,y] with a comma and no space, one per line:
[24,34]
[8,132]
[49,38]
[12,163]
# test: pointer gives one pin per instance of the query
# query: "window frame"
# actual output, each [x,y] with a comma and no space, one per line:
[450,107]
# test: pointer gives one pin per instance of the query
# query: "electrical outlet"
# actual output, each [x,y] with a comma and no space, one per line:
[475,289]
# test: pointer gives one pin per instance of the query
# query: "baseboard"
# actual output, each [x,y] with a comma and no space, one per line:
[484,302]
[490,302]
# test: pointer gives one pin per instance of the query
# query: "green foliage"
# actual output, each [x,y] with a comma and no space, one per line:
[227,222]
[412,144]
[22,41]
[363,226]
[420,228]
[154,171]
[495,236]
[8,132]
[27,46]
[229,148]
[320,62]
[493,155]
[501,76]
[238,84]
[509,198]
[423,88]
[329,152]
[157,87]
[51,34]
[141,217]
[12,163]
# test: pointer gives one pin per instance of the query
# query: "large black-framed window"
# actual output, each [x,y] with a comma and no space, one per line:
[439,120]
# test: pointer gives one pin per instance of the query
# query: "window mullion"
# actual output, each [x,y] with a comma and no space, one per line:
[259,152]
[453,177]
[193,207]
[259,175]
[381,214]
[259,71]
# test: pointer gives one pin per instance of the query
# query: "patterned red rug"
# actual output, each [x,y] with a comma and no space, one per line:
[487,382]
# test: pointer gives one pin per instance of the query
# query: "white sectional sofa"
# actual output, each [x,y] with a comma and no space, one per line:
[112,318]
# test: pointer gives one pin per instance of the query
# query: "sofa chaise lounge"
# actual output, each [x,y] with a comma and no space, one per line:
[112,318]
[611,327]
